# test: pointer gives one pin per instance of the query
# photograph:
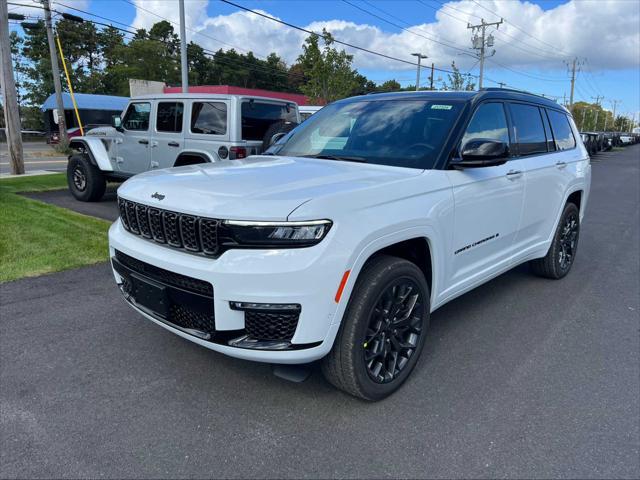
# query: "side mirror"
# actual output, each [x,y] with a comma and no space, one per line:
[482,152]
[277,137]
[116,122]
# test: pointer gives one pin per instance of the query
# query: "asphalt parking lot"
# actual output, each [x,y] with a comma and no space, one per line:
[522,377]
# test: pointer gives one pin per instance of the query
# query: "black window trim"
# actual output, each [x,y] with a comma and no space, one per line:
[210,135]
[150,115]
[517,145]
[155,123]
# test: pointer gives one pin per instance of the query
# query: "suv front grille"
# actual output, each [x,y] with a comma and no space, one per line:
[178,230]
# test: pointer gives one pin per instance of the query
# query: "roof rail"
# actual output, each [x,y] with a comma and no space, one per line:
[498,89]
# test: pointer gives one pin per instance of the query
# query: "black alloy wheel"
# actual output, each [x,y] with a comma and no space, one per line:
[568,241]
[394,330]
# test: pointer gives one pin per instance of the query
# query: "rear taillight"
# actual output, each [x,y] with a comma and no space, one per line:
[237,153]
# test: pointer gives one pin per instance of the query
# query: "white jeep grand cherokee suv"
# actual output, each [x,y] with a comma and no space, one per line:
[339,242]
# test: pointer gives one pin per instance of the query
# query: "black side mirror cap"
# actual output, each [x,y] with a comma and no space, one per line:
[481,152]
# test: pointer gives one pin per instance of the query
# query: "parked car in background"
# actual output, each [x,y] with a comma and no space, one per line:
[307,110]
[170,130]
[339,242]
[590,141]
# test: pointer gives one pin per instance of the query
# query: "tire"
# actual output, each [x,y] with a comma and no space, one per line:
[278,127]
[346,366]
[562,253]
[86,182]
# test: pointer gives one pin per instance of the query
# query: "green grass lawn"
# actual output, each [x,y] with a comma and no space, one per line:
[37,238]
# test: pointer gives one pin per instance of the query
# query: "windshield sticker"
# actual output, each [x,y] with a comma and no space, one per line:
[441,107]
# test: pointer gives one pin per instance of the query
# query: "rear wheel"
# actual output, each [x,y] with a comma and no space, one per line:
[562,253]
[383,330]
[86,182]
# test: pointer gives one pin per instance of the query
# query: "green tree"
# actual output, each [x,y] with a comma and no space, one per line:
[458,81]
[328,70]
[390,86]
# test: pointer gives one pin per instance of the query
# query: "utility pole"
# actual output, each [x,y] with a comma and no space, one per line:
[62,123]
[614,103]
[10,94]
[420,57]
[598,99]
[574,68]
[431,78]
[183,50]
[481,42]
[584,112]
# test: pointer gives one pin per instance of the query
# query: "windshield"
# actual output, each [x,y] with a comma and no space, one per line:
[402,133]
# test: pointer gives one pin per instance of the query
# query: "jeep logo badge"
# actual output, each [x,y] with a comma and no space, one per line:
[158,196]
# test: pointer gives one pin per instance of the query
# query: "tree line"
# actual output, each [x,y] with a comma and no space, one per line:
[101,61]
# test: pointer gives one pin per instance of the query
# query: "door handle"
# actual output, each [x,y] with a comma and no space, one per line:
[561,164]
[513,174]
[144,142]
[173,144]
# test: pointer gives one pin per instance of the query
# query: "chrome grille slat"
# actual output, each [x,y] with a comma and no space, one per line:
[178,230]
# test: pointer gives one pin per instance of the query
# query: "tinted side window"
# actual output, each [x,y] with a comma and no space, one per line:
[529,129]
[209,118]
[561,130]
[489,121]
[137,117]
[169,117]
[257,117]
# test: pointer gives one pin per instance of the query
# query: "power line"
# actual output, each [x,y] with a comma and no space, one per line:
[401,27]
[535,77]
[554,47]
[346,44]
[536,52]
[195,32]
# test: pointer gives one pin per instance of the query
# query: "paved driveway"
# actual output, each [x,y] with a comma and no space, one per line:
[523,377]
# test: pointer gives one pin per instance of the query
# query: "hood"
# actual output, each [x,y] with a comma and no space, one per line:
[256,188]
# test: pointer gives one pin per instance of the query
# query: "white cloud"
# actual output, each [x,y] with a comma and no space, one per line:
[149,12]
[605,32]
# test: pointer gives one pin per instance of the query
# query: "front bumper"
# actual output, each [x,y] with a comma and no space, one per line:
[306,276]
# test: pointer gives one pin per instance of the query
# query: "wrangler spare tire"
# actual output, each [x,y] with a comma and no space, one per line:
[278,127]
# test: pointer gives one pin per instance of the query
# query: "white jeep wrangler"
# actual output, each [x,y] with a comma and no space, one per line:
[160,131]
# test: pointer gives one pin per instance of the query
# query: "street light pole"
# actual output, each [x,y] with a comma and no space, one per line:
[420,57]
[183,50]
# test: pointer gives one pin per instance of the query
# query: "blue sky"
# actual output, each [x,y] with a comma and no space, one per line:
[531,47]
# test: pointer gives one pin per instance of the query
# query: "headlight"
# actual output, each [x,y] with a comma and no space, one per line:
[273,234]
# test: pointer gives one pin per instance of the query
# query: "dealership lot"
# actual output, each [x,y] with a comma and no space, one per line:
[522,377]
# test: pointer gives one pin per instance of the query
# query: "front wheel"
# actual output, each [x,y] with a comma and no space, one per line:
[86,182]
[383,330]
[562,252]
